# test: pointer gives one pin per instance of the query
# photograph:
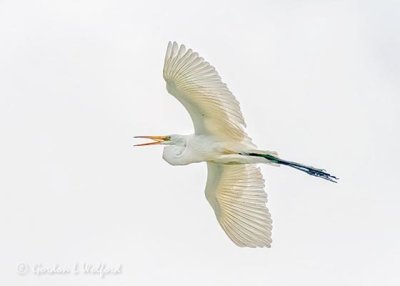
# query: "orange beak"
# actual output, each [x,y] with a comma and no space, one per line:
[157,140]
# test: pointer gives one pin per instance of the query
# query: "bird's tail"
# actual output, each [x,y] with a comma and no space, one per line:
[273,158]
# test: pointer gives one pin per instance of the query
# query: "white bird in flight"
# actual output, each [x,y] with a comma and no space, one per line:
[235,185]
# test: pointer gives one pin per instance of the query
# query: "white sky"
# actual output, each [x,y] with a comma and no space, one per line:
[318,81]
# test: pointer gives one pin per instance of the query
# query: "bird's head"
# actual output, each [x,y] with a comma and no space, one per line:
[174,149]
[177,140]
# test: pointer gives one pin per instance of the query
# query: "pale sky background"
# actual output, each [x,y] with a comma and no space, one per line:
[318,81]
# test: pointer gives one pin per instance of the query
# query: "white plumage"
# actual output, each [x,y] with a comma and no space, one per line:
[197,85]
[235,186]
[236,193]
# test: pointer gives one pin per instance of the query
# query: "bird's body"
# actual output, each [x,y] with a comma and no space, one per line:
[235,186]
[207,148]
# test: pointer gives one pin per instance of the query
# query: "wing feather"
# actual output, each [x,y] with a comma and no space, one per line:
[236,193]
[197,85]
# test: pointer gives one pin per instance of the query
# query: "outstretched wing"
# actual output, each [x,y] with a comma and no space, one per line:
[196,84]
[236,193]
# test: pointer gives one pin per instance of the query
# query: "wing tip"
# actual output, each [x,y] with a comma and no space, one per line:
[174,47]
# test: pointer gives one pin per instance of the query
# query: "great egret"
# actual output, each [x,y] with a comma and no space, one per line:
[235,186]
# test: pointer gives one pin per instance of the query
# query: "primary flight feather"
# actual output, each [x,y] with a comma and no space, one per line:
[235,186]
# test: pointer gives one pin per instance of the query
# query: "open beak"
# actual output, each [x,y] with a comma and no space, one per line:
[157,140]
